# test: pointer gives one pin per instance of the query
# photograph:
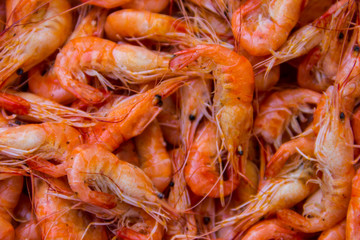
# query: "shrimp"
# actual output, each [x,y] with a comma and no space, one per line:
[195,97]
[233,96]
[201,172]
[153,26]
[57,219]
[154,159]
[311,35]
[14,104]
[10,191]
[138,225]
[205,214]
[95,56]
[131,116]
[335,233]
[44,110]
[42,78]
[270,229]
[38,143]
[281,109]
[263,26]
[304,144]
[113,181]
[318,70]
[39,28]
[169,121]
[334,157]
[179,199]
[283,191]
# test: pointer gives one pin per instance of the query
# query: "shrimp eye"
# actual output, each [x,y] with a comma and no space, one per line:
[341,36]
[158,100]
[171,184]
[160,195]
[20,71]
[192,117]
[356,48]
[342,116]
[206,220]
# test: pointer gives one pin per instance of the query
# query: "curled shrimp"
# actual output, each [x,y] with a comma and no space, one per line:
[95,56]
[58,220]
[42,78]
[280,109]
[270,229]
[39,27]
[38,143]
[263,26]
[113,181]
[309,36]
[154,159]
[335,233]
[201,171]
[334,157]
[283,191]
[233,96]
[131,116]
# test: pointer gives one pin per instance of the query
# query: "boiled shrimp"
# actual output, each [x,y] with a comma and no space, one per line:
[194,100]
[131,116]
[38,143]
[113,181]
[261,27]
[283,191]
[311,35]
[42,78]
[335,233]
[96,56]
[39,27]
[280,110]
[334,157]
[57,219]
[154,159]
[270,229]
[179,199]
[148,5]
[201,171]
[154,26]
[352,220]
[233,96]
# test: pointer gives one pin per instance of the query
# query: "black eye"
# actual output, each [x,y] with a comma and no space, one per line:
[158,100]
[171,184]
[342,116]
[20,71]
[206,220]
[341,36]
[192,117]
[356,48]
[160,195]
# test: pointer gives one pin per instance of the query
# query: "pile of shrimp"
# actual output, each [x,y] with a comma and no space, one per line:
[182,119]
